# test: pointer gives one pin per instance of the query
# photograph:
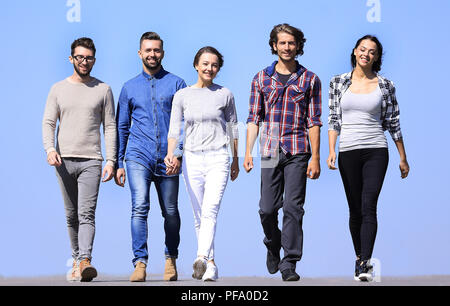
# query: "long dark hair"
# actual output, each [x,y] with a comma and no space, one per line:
[377,64]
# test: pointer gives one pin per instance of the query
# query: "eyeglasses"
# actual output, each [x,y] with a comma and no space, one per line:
[81,58]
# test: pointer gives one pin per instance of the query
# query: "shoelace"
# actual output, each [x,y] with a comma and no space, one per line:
[365,265]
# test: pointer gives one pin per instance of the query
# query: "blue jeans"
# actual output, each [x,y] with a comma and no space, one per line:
[140,178]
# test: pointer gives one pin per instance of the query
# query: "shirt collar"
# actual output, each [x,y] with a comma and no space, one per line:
[158,75]
[271,69]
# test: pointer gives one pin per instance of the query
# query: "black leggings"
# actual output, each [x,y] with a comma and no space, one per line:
[362,172]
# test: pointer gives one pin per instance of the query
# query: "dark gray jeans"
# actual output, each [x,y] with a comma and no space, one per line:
[284,186]
[79,179]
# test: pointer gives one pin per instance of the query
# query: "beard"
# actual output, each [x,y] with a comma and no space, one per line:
[152,67]
[288,58]
[83,75]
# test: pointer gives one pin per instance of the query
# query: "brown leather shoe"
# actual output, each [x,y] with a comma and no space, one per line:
[139,273]
[87,271]
[170,270]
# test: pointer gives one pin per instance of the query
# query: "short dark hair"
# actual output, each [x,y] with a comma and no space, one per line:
[377,64]
[208,49]
[85,42]
[151,36]
[284,27]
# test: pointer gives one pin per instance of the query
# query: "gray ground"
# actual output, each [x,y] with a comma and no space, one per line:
[156,280]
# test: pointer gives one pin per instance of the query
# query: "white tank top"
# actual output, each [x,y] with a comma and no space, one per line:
[361,121]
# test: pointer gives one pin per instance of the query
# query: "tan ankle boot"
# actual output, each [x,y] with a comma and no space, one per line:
[74,273]
[170,270]
[87,271]
[139,273]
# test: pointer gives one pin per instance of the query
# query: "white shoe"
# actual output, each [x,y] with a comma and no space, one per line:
[199,268]
[211,273]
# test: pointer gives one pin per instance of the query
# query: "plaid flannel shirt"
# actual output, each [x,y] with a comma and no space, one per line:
[390,112]
[285,112]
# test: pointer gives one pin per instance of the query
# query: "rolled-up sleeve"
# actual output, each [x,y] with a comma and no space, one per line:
[315,104]
[334,117]
[391,121]
[256,110]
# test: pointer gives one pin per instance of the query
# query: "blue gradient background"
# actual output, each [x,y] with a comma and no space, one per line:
[413,214]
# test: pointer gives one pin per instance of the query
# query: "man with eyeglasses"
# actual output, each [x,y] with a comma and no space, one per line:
[81,103]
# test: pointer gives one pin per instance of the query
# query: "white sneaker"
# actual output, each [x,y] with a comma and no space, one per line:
[199,268]
[211,273]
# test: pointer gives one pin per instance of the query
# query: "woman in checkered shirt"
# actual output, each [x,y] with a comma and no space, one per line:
[362,106]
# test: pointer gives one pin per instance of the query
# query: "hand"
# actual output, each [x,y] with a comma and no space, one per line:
[108,173]
[54,159]
[313,171]
[234,168]
[175,169]
[331,161]
[120,177]
[248,163]
[172,164]
[404,168]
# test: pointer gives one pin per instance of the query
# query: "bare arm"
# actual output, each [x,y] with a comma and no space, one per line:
[332,139]
[404,166]
[235,164]
[313,171]
[252,134]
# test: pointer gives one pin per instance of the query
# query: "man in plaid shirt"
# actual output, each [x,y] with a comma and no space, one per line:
[285,105]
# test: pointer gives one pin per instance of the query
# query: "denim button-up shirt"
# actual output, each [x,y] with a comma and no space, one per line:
[143,117]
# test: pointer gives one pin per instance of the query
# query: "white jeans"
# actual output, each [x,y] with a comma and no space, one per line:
[206,176]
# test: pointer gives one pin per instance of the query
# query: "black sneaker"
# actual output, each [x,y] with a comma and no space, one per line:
[289,275]
[357,271]
[365,271]
[272,261]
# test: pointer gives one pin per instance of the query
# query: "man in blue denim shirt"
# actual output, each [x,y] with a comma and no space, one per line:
[143,117]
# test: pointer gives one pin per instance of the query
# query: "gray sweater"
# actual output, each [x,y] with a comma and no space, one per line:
[80,109]
[209,114]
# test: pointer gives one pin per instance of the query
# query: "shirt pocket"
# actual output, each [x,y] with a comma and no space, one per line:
[269,93]
[296,94]
[165,102]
